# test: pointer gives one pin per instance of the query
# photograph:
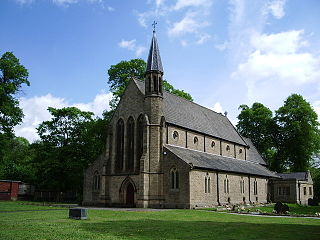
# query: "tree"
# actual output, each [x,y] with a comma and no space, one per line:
[299,131]
[287,141]
[16,163]
[257,124]
[70,141]
[315,174]
[12,76]
[121,73]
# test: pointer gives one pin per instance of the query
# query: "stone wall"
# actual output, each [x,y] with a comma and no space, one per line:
[186,138]
[93,196]
[175,198]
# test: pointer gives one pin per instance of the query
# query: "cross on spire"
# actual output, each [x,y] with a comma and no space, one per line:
[154,26]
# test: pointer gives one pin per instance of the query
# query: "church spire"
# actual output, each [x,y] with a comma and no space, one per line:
[154,70]
[154,59]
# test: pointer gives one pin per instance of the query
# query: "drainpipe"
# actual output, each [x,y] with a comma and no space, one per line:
[299,193]
[218,198]
[249,191]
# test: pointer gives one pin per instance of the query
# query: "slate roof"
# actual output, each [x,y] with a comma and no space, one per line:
[154,60]
[187,114]
[216,162]
[294,175]
[252,153]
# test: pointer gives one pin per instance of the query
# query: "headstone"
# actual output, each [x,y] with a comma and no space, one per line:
[78,213]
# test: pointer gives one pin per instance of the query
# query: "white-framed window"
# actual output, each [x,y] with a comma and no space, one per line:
[174,175]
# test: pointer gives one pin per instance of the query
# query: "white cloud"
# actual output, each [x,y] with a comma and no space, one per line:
[276,8]
[223,46]
[316,107]
[132,46]
[184,43]
[217,107]
[203,38]
[193,21]
[64,2]
[279,43]
[22,2]
[192,3]
[189,24]
[35,111]
[278,56]
[110,9]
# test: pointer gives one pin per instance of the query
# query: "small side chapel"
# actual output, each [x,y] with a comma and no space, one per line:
[163,151]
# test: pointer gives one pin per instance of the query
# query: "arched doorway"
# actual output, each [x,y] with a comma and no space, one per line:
[130,195]
[127,193]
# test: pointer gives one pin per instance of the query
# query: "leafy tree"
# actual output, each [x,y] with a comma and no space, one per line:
[70,141]
[315,173]
[299,130]
[16,163]
[257,124]
[12,76]
[287,141]
[121,73]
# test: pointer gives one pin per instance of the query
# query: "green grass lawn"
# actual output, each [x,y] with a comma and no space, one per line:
[171,224]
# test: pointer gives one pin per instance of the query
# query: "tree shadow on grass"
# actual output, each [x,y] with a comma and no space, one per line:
[161,229]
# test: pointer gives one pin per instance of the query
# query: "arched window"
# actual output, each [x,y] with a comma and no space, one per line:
[139,144]
[240,151]
[226,184]
[195,140]
[207,183]
[174,175]
[96,181]
[120,145]
[130,144]
[228,148]
[213,144]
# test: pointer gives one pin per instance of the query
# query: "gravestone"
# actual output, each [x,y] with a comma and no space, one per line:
[78,213]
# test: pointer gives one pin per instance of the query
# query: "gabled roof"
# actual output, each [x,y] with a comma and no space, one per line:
[302,176]
[154,60]
[252,152]
[187,114]
[216,162]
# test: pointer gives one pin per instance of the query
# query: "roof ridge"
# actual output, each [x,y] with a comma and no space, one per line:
[188,100]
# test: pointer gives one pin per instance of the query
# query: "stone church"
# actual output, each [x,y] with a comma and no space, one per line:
[163,151]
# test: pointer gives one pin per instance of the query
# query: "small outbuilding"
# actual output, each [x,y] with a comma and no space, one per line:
[295,187]
[9,189]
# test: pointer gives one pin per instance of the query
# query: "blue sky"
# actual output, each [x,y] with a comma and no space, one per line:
[224,53]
